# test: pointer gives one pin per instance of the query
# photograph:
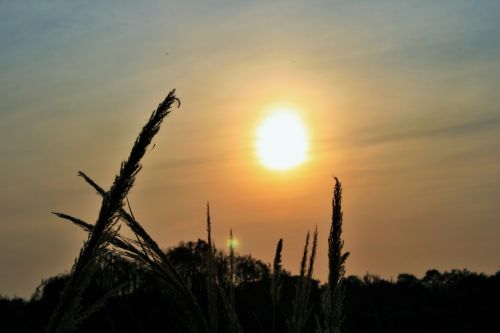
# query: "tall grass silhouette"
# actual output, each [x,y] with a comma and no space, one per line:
[276,282]
[302,308]
[333,298]
[221,310]
[69,313]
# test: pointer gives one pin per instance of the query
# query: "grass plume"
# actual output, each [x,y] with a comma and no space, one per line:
[276,282]
[144,249]
[233,323]
[211,274]
[333,298]
[146,252]
[67,315]
[301,307]
[231,268]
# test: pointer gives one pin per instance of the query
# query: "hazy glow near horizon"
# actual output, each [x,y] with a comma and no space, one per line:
[282,140]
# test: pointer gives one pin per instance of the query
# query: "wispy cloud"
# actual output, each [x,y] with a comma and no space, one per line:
[427,130]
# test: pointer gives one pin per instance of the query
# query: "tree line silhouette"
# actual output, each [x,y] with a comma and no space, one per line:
[454,301]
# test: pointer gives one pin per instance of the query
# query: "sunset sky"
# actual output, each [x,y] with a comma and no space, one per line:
[399,99]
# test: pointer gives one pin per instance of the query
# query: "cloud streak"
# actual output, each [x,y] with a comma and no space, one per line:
[428,130]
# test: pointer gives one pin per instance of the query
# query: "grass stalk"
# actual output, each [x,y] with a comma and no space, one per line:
[231,268]
[333,298]
[211,278]
[66,316]
[276,282]
[145,251]
[301,307]
[233,321]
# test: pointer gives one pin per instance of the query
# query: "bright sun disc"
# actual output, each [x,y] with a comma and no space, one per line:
[282,140]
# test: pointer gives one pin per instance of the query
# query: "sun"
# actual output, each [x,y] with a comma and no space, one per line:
[282,140]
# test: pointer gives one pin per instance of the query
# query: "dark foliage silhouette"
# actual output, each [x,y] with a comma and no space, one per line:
[455,301]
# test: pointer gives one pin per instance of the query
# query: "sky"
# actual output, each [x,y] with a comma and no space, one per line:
[399,99]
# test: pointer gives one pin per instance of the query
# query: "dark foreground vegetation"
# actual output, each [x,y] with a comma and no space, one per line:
[456,301]
[130,284]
